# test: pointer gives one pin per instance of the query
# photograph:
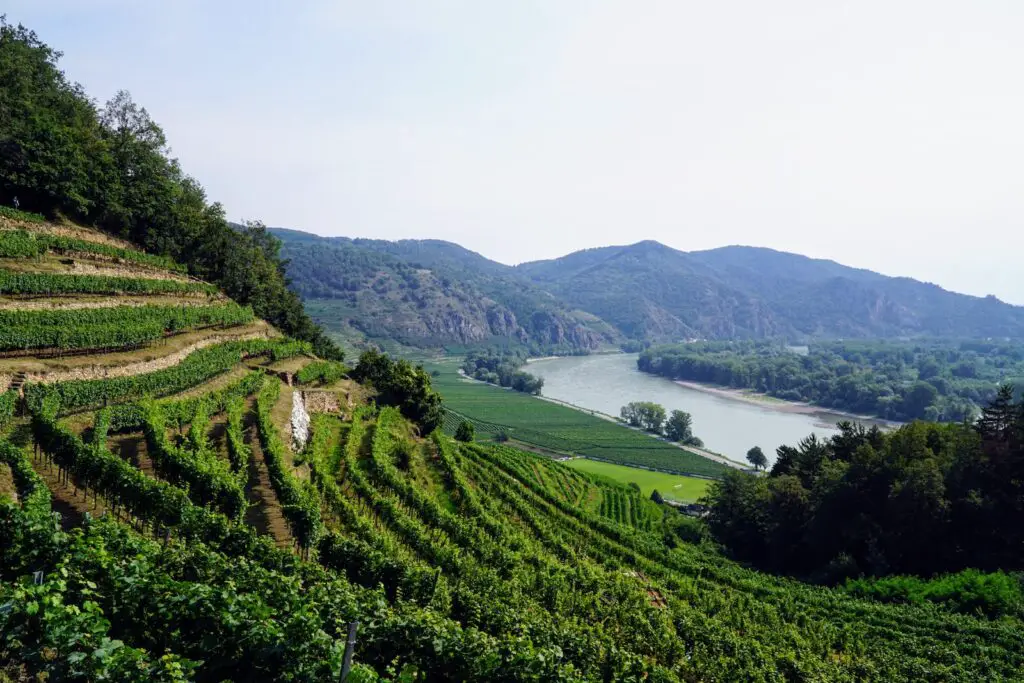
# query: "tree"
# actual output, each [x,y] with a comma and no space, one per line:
[757,458]
[465,432]
[679,426]
[920,396]
[400,384]
[645,415]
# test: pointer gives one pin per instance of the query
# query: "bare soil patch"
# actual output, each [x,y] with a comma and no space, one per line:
[7,487]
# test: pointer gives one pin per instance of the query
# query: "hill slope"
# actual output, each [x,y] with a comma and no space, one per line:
[430,293]
[435,293]
[460,561]
[653,292]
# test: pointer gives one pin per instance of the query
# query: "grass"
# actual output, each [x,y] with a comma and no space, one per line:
[670,486]
[539,424]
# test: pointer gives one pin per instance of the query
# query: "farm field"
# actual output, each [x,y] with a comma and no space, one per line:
[542,424]
[670,486]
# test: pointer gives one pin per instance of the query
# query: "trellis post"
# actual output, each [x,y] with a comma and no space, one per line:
[350,644]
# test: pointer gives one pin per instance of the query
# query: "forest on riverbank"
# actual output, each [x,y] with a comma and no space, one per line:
[936,380]
[924,499]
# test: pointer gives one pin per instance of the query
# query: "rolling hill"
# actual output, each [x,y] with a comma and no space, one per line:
[435,293]
[228,504]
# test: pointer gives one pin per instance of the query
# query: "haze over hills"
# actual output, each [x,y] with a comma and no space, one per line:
[436,293]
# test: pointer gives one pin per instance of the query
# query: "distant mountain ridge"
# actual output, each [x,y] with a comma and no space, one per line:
[431,294]
[599,297]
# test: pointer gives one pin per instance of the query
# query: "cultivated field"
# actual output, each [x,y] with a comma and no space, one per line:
[541,424]
[670,486]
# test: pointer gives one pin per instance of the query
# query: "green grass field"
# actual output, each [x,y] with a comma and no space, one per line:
[671,486]
[537,423]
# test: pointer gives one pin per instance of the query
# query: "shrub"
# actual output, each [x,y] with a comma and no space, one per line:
[466,432]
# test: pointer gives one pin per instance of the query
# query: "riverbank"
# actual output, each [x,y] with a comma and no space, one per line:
[714,457]
[781,405]
[560,428]
[704,453]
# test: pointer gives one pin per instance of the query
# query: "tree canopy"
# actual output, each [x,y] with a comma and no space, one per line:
[757,458]
[400,384]
[501,367]
[645,415]
[922,499]
[936,380]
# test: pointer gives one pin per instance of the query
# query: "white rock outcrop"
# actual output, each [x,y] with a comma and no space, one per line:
[300,421]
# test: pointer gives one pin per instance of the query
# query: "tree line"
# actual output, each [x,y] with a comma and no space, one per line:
[651,417]
[110,167]
[502,368]
[935,380]
[923,499]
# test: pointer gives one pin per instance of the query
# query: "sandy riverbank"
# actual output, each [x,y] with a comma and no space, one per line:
[782,406]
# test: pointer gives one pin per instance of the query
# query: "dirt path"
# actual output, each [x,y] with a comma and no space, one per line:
[264,512]
[132,449]
[217,434]
[74,231]
[7,487]
[89,264]
[71,504]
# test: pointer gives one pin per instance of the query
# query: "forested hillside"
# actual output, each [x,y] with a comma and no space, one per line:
[110,167]
[431,294]
[653,292]
[434,293]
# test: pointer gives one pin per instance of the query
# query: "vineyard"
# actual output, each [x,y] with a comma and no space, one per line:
[538,424]
[164,527]
[99,328]
[24,244]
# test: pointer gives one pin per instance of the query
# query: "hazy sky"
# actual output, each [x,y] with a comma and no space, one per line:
[886,135]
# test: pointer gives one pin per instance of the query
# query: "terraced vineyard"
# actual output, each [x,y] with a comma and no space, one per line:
[195,541]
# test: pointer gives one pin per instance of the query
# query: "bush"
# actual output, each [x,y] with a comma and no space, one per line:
[321,372]
[971,591]
[465,432]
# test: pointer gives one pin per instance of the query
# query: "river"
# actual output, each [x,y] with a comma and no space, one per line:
[727,425]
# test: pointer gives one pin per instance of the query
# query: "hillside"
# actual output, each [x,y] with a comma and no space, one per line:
[460,561]
[193,488]
[653,292]
[430,294]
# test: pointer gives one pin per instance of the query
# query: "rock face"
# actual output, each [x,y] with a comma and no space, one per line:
[353,286]
[300,421]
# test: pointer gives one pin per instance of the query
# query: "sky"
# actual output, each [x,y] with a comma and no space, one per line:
[884,135]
